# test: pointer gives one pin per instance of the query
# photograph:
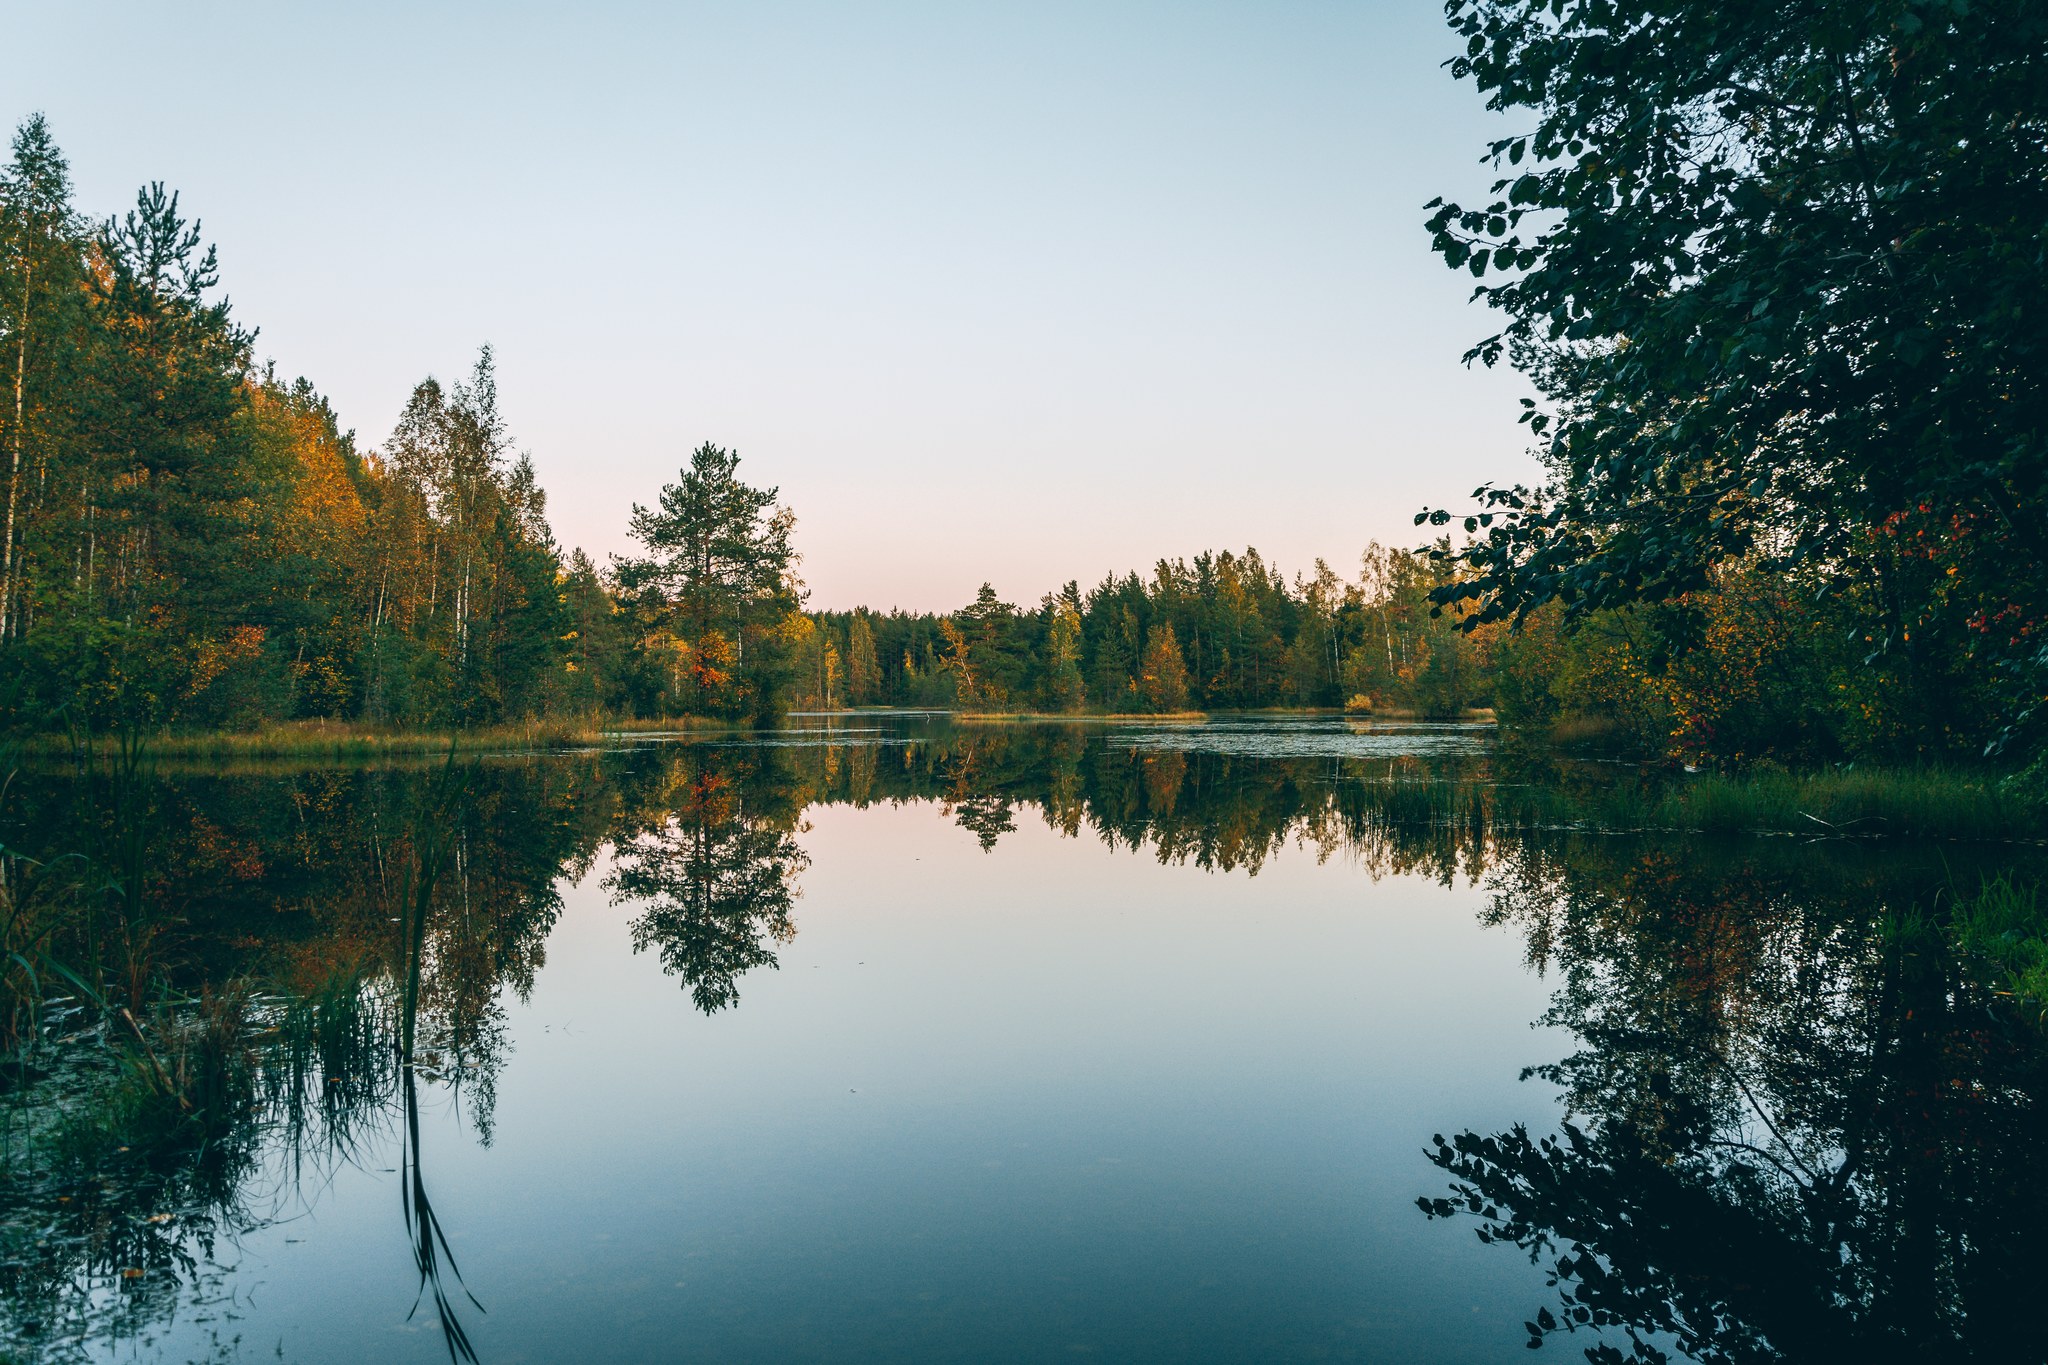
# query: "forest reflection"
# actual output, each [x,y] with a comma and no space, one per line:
[1801,1126]
[1798,1125]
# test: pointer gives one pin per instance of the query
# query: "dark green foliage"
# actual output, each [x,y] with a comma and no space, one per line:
[1778,271]
[1803,1129]
[1242,636]
[190,541]
[713,598]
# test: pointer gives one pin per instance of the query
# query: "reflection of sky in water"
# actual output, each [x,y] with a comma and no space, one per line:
[1063,1095]
[1052,1101]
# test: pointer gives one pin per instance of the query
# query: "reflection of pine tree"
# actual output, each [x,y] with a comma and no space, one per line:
[716,887]
[987,816]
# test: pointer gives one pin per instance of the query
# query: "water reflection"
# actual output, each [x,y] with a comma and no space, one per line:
[1800,1130]
[714,884]
[1798,1127]
[435,837]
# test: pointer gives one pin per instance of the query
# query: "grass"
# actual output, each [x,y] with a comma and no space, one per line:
[2001,927]
[1927,803]
[1139,717]
[356,742]
[327,739]
[1590,732]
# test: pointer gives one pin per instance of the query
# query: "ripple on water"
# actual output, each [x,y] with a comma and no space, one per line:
[1317,739]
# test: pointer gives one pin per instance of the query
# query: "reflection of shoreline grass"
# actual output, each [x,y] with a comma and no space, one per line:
[1927,803]
[1930,803]
[137,1101]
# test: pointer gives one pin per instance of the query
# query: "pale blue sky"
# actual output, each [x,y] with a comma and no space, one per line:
[1016,292]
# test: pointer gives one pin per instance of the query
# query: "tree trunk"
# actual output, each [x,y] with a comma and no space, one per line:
[14,475]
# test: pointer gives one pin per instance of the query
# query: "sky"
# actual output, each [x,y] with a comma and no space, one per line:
[1017,293]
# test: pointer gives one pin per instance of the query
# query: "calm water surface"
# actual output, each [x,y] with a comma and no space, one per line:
[887,1039]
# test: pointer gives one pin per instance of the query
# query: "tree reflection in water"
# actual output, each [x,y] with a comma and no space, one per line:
[434,837]
[715,885]
[1801,1131]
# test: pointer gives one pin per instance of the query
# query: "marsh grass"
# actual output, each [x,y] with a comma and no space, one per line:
[182,1077]
[1481,716]
[322,739]
[1834,804]
[1928,803]
[1598,734]
[2001,927]
[327,1079]
[134,1146]
[80,922]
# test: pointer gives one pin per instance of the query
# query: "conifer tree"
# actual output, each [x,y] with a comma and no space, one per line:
[716,584]
[40,244]
[863,674]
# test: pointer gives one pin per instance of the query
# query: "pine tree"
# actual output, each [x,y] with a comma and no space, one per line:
[717,579]
[39,265]
[863,674]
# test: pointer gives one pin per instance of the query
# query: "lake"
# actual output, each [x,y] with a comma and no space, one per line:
[887,1037]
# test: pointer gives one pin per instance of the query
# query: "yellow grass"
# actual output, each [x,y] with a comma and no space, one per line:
[328,739]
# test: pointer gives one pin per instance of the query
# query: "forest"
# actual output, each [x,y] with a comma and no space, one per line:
[1814,541]
[194,543]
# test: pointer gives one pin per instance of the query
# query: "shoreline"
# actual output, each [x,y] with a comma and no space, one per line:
[329,739]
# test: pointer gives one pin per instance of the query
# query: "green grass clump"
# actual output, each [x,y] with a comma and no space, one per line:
[1926,803]
[2001,927]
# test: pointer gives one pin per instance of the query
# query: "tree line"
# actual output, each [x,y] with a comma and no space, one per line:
[1222,631]
[189,539]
